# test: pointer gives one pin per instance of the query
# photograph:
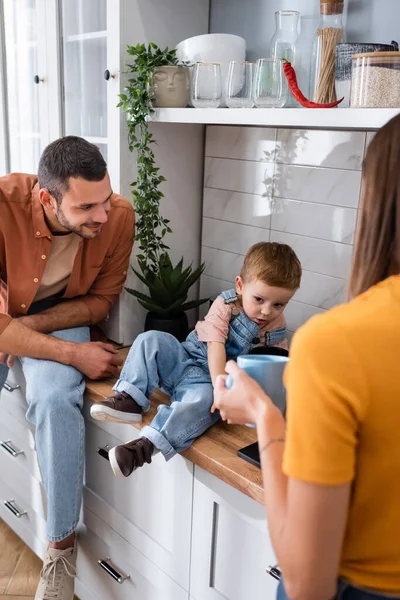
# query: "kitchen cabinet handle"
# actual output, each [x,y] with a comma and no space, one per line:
[107,75]
[8,447]
[111,571]
[103,452]
[10,388]
[14,509]
[275,572]
[37,79]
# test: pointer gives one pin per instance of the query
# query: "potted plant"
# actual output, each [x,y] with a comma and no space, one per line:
[168,285]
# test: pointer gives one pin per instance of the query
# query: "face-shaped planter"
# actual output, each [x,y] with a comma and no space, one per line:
[171,87]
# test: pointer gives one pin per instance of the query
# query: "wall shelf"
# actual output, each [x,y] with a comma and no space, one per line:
[299,118]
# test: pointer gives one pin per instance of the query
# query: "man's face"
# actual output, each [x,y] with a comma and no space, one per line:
[85,206]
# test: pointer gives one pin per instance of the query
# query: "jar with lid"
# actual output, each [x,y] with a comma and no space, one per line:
[375,80]
[283,42]
[330,32]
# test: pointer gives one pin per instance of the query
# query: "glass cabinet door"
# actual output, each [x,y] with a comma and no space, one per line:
[84,42]
[22,90]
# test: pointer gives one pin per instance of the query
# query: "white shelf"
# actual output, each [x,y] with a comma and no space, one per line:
[304,118]
[81,37]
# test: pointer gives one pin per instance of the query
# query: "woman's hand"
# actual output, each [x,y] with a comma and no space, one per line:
[245,401]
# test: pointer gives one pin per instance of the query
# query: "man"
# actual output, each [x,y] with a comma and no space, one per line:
[65,244]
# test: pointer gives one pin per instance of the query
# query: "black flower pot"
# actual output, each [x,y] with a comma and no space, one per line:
[176,326]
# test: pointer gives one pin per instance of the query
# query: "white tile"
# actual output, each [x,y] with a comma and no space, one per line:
[335,149]
[320,290]
[247,209]
[221,264]
[323,221]
[370,137]
[297,314]
[319,256]
[246,143]
[239,175]
[325,186]
[210,287]
[231,236]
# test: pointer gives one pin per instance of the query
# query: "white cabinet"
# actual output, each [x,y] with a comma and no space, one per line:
[230,545]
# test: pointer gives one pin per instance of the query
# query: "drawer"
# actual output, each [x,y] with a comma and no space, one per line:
[151,509]
[13,398]
[29,489]
[145,581]
[16,509]
[15,436]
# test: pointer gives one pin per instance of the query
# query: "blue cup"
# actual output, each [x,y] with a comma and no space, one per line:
[267,370]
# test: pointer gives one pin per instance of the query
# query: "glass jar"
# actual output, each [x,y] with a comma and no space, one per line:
[330,32]
[375,80]
[283,42]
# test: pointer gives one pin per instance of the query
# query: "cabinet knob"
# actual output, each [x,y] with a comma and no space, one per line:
[107,75]
[37,79]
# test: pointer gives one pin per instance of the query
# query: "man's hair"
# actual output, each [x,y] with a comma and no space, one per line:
[274,264]
[69,156]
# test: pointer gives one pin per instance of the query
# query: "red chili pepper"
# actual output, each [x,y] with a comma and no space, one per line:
[294,88]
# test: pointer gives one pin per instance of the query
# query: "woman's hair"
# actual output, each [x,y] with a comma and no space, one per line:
[274,264]
[377,249]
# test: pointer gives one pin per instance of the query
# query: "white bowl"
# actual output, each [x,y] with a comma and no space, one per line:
[213,47]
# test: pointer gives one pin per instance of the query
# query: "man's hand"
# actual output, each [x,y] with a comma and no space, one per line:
[7,359]
[96,360]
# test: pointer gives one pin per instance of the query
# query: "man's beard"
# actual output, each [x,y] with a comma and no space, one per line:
[62,219]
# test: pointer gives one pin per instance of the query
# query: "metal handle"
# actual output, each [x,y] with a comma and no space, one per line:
[275,572]
[10,388]
[37,79]
[111,571]
[103,452]
[14,509]
[107,75]
[8,447]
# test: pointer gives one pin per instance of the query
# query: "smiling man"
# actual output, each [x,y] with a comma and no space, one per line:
[65,245]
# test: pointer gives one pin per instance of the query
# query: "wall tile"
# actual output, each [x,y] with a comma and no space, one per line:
[320,290]
[232,236]
[236,207]
[297,314]
[331,223]
[210,287]
[336,149]
[239,175]
[319,256]
[221,264]
[370,137]
[324,186]
[246,143]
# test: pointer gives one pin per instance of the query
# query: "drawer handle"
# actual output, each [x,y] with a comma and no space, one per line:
[10,388]
[275,572]
[103,452]
[14,509]
[8,447]
[111,571]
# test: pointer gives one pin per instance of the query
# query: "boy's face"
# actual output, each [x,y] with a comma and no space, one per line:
[261,302]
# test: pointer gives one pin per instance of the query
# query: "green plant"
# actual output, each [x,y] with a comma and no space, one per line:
[137,104]
[168,288]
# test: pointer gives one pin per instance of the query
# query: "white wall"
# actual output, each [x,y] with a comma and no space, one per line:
[293,186]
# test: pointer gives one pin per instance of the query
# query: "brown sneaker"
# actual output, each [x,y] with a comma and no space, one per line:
[125,459]
[120,408]
[58,575]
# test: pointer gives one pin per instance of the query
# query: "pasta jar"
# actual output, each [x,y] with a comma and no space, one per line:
[375,80]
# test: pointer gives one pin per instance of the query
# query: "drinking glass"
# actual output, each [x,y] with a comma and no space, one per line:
[206,89]
[270,90]
[239,86]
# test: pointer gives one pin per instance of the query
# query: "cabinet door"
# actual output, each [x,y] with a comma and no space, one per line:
[84,77]
[231,549]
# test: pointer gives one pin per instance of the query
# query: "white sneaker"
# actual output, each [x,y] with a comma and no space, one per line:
[57,577]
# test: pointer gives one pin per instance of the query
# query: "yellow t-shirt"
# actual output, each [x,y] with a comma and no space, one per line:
[343,387]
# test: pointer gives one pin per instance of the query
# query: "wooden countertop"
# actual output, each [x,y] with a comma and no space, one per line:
[215,451]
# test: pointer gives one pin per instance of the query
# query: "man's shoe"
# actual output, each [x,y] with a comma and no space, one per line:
[126,458]
[58,575]
[120,408]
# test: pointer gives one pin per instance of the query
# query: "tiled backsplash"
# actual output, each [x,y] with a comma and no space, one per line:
[293,186]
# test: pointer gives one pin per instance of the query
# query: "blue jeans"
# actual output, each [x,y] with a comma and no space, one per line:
[345,592]
[54,393]
[158,360]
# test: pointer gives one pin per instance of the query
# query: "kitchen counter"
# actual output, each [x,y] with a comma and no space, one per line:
[215,451]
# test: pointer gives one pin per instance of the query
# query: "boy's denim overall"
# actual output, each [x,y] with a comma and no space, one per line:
[158,360]
[346,591]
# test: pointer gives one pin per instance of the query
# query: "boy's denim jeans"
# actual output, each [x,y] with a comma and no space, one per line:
[54,393]
[345,592]
[158,360]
